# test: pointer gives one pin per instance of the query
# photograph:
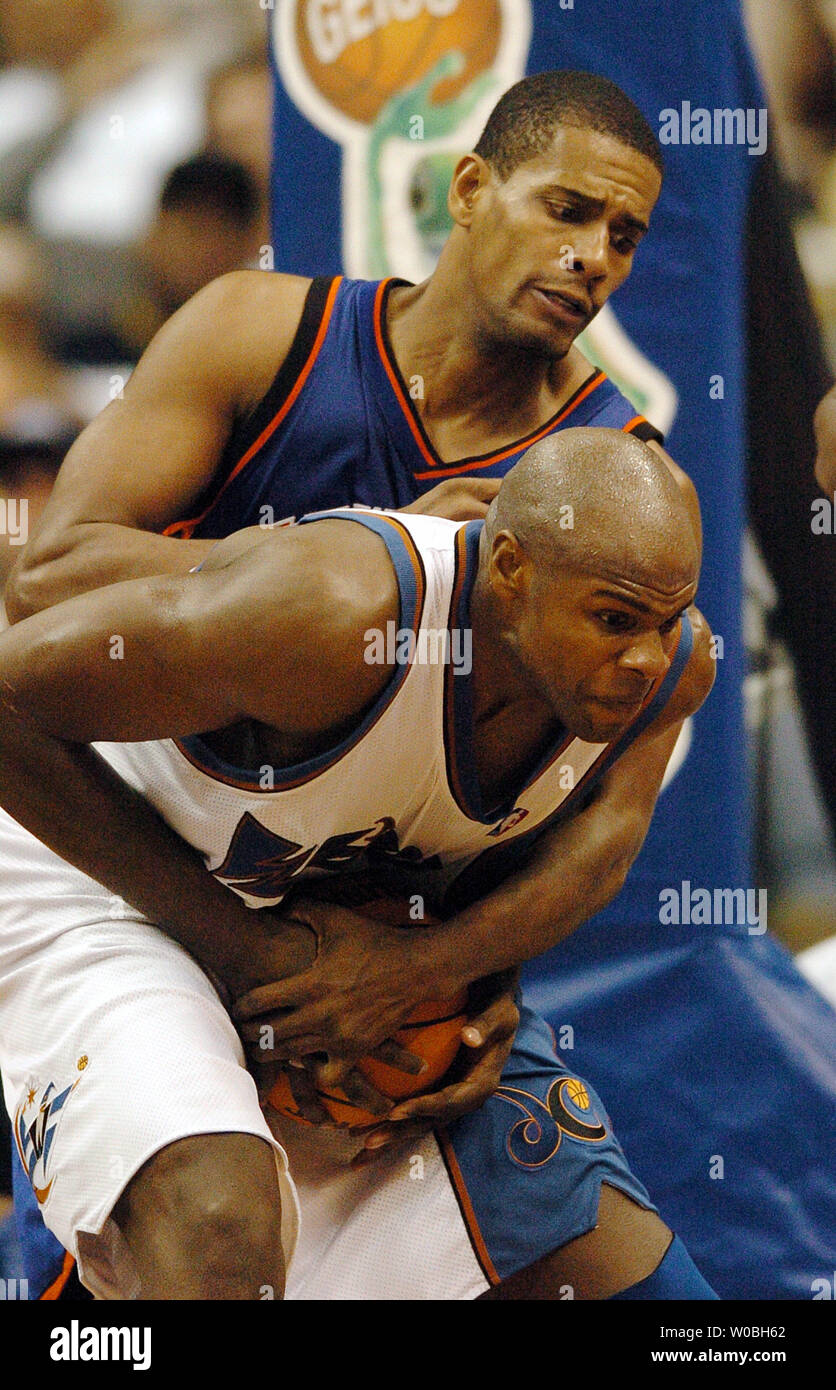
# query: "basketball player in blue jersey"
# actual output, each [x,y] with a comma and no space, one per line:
[271,395]
[586,650]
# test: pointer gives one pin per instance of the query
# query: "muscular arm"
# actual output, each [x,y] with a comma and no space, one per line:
[249,639]
[141,464]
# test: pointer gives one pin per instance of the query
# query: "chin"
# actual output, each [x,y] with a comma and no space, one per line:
[520,335]
[595,729]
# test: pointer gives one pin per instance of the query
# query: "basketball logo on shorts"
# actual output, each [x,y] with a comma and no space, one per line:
[396,83]
[35,1122]
[567,1111]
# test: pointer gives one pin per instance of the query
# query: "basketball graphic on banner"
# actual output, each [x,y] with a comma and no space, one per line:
[359,57]
[399,85]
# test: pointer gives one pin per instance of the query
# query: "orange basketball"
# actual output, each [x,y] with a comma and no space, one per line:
[432,1032]
[359,55]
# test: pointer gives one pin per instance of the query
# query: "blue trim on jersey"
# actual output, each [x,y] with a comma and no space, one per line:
[409,571]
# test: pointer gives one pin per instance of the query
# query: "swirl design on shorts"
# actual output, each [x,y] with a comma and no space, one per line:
[535,1138]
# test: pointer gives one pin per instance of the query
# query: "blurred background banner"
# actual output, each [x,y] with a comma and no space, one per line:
[704,1039]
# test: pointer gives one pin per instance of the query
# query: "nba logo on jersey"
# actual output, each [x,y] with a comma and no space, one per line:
[35,1123]
[513,818]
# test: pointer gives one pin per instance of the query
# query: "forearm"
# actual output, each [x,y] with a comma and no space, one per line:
[65,794]
[91,556]
[576,871]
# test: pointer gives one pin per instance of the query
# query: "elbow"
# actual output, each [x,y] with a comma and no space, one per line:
[628,849]
[38,576]
[24,591]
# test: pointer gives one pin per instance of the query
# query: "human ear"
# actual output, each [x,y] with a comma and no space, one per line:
[470,177]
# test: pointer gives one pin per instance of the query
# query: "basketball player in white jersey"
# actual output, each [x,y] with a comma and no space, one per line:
[585,648]
[243,402]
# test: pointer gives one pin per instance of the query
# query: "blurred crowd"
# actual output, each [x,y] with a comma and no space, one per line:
[796,47]
[134,168]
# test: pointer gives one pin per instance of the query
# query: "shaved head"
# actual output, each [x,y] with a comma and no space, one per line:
[588,561]
[599,501]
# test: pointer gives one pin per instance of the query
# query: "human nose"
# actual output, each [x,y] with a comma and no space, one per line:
[590,247]
[646,656]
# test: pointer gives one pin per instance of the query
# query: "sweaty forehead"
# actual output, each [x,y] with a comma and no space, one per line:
[648,550]
[651,573]
[591,162]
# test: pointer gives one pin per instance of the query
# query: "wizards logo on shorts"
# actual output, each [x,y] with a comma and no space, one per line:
[568,1111]
[35,1123]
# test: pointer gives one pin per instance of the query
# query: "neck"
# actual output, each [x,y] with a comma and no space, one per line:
[499,682]
[436,334]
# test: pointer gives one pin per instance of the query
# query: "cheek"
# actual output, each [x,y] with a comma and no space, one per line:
[619,270]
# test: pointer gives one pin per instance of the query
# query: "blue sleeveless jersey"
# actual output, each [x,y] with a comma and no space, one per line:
[338,424]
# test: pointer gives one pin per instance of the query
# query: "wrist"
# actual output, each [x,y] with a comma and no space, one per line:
[268,948]
[442,959]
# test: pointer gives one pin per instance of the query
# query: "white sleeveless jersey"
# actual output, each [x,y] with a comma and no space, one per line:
[395,807]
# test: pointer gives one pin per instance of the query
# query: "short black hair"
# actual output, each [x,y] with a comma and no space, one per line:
[523,122]
[212,181]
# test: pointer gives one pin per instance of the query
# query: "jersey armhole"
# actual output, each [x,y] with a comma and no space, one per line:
[251,426]
[246,433]
[643,429]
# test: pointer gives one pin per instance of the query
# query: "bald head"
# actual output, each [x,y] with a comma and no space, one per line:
[600,501]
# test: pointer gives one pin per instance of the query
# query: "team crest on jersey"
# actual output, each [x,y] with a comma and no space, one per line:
[568,1111]
[35,1124]
[260,865]
[513,818]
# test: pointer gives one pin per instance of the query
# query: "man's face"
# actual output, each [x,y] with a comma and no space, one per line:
[594,644]
[551,244]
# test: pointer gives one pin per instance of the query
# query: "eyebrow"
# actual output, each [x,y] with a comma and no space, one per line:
[622,598]
[635,603]
[593,205]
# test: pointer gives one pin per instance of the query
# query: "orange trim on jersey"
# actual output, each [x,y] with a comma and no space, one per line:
[438,470]
[57,1286]
[466,1208]
[631,424]
[395,384]
[185,528]
[523,443]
